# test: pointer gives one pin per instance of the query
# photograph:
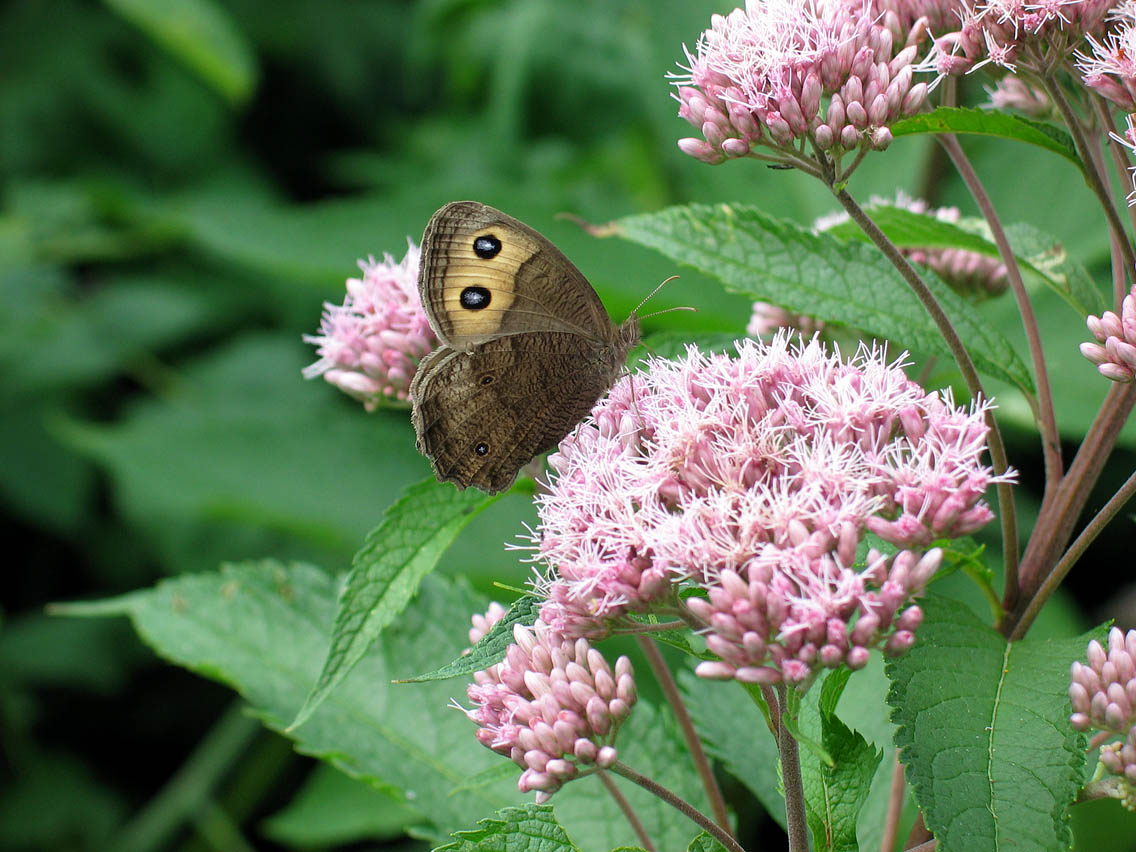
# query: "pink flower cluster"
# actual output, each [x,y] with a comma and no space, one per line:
[781,71]
[1114,353]
[370,346]
[838,619]
[552,706]
[1005,32]
[1103,694]
[1110,67]
[756,478]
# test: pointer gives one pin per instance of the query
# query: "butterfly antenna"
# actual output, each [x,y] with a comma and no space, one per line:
[668,310]
[651,295]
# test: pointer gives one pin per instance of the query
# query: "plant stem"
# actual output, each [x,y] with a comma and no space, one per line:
[918,286]
[1051,442]
[1091,173]
[628,811]
[895,806]
[679,804]
[925,846]
[997,448]
[1058,516]
[796,822]
[1122,164]
[1076,551]
[693,741]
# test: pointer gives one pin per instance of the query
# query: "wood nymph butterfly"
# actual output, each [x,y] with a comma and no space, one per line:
[527,347]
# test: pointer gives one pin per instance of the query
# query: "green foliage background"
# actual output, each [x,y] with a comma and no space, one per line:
[183,183]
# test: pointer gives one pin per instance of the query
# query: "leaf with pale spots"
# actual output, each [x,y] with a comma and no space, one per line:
[984,122]
[984,732]
[490,650]
[834,795]
[403,549]
[820,276]
[261,628]
[531,828]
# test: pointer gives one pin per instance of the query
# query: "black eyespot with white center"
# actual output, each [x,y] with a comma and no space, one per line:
[481,449]
[475,298]
[487,379]
[486,246]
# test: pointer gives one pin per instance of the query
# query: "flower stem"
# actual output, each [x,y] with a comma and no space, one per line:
[918,286]
[1076,551]
[1089,170]
[1121,163]
[895,807]
[693,741]
[628,811]
[962,358]
[1046,414]
[704,822]
[1058,516]
[795,820]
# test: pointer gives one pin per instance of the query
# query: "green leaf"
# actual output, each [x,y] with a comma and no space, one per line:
[705,843]
[332,809]
[1038,253]
[532,828]
[1047,258]
[260,627]
[832,689]
[386,572]
[491,649]
[990,123]
[984,732]
[835,795]
[203,35]
[820,276]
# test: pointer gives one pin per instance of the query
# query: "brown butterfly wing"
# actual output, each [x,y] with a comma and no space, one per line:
[482,415]
[519,281]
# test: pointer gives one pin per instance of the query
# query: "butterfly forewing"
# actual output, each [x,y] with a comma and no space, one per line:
[485,274]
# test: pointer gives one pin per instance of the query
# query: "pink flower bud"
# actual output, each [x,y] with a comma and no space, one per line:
[606,757]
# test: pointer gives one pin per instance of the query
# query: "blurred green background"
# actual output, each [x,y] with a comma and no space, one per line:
[183,183]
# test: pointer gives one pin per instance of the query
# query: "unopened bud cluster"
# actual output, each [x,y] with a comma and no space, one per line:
[764,632]
[370,346]
[1114,353]
[782,71]
[553,707]
[1103,694]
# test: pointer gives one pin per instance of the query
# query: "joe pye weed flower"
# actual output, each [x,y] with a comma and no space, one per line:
[777,511]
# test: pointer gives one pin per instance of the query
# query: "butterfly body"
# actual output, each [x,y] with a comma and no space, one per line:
[527,346]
